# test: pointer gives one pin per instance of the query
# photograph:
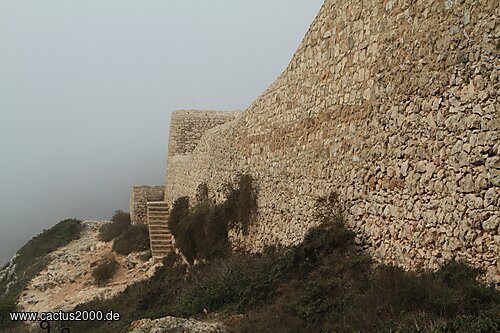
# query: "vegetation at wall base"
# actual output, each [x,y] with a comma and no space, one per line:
[32,259]
[134,239]
[127,238]
[201,231]
[119,223]
[324,284]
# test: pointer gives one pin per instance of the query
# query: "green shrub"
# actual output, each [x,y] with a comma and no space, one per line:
[180,225]
[7,305]
[105,270]
[325,284]
[232,284]
[120,222]
[134,239]
[127,238]
[32,259]
[201,232]
[241,202]
[49,240]
[486,322]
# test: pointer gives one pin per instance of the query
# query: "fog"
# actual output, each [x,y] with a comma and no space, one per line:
[87,89]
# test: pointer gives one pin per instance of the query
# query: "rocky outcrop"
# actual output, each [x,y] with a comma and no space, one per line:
[8,275]
[67,280]
[176,325]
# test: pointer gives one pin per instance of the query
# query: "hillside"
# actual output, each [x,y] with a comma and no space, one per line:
[325,284]
[53,271]
[359,193]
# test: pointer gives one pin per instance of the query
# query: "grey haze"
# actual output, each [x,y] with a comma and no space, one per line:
[87,87]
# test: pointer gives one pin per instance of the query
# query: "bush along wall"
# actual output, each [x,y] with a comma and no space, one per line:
[201,229]
[127,237]
[325,284]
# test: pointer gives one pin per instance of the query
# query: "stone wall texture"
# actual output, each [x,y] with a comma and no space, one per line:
[392,104]
[186,129]
[139,197]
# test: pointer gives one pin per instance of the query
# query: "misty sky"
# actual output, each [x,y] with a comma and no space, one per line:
[87,88]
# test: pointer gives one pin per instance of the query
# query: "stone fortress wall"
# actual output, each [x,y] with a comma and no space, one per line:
[139,197]
[186,129]
[392,104]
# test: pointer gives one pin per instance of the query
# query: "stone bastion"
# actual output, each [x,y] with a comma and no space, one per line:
[392,104]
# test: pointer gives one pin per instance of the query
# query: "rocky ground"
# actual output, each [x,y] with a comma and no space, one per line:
[176,325]
[67,281]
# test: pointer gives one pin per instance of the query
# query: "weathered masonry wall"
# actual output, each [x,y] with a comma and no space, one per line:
[186,129]
[139,197]
[394,105]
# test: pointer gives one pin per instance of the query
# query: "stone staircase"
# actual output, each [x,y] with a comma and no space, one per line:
[159,234]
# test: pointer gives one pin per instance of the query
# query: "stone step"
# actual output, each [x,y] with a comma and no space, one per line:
[157,211]
[161,230]
[162,233]
[159,227]
[162,250]
[161,237]
[157,220]
[161,241]
[162,247]
[158,223]
[157,253]
[160,256]
[158,206]
[156,215]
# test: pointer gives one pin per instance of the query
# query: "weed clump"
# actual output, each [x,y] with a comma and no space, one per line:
[105,270]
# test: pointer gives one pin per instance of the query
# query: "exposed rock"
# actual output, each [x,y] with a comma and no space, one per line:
[176,325]
[490,197]
[491,223]
[67,280]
